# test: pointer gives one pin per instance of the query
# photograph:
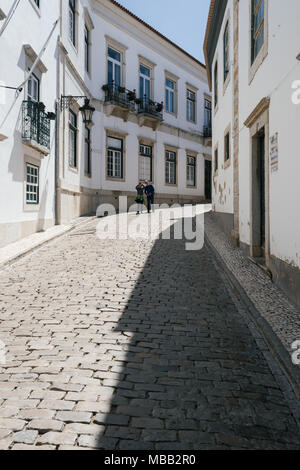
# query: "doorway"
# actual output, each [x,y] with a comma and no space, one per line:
[259,196]
[208,180]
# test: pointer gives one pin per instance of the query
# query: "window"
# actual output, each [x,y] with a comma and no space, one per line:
[145,163]
[33,89]
[207,114]
[87,151]
[114,67]
[72,21]
[191,105]
[227,147]
[32,184]
[145,81]
[257,27]
[226,51]
[72,139]
[216,84]
[216,159]
[191,171]
[115,158]
[87,48]
[170,96]
[171,163]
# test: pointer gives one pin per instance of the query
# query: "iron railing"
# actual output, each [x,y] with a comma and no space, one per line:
[207,132]
[146,106]
[119,95]
[35,123]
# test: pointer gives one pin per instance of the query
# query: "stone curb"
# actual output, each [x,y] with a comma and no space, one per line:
[279,352]
[37,245]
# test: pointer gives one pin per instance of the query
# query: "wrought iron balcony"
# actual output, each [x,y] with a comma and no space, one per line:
[118,100]
[36,126]
[207,131]
[150,113]
[146,106]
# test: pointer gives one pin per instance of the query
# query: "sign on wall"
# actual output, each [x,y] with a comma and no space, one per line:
[274,153]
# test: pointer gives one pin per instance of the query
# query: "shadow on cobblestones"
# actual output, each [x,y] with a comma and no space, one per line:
[193,376]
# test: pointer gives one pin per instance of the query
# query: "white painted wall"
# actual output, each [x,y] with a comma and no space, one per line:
[274,79]
[222,118]
[28,26]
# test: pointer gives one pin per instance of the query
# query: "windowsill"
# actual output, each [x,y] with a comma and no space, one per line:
[31,207]
[73,46]
[117,180]
[258,62]
[191,187]
[226,83]
[74,169]
[171,185]
[227,163]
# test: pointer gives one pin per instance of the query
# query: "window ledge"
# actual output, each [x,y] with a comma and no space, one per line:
[257,62]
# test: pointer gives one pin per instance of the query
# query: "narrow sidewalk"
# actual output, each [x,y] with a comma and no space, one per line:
[13,251]
[270,302]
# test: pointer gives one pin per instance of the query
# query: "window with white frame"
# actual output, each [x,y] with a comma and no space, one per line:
[87,151]
[227,147]
[87,48]
[32,184]
[72,21]
[171,170]
[145,163]
[114,67]
[207,114]
[114,157]
[33,89]
[226,51]
[72,139]
[216,84]
[170,96]
[145,83]
[191,105]
[191,171]
[257,27]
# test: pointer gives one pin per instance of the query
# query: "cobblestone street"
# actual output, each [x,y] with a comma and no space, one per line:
[134,345]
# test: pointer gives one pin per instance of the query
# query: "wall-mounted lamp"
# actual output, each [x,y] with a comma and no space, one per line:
[86,110]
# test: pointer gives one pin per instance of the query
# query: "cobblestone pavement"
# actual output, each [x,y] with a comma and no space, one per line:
[134,345]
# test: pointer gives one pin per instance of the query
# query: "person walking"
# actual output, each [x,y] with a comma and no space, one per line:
[140,198]
[149,191]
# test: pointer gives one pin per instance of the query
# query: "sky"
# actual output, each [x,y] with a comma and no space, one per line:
[182,21]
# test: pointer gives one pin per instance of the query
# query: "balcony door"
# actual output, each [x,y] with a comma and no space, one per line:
[114,68]
[145,83]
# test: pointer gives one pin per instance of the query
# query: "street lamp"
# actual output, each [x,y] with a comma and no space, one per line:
[87,110]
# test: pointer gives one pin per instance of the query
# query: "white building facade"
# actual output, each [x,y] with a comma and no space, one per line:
[150,99]
[152,118]
[252,55]
[27,135]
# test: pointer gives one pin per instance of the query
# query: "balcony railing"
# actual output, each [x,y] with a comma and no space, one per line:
[146,106]
[35,123]
[207,132]
[118,95]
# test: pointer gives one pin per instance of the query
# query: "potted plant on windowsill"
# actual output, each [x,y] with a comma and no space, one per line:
[121,89]
[138,101]
[41,107]
[159,107]
[131,96]
[152,103]
[105,88]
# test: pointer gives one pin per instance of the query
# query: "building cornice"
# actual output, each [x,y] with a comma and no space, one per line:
[142,32]
[214,23]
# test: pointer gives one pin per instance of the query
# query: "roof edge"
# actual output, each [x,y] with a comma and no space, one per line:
[121,7]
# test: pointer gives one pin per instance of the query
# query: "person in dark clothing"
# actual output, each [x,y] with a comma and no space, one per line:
[140,197]
[149,191]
